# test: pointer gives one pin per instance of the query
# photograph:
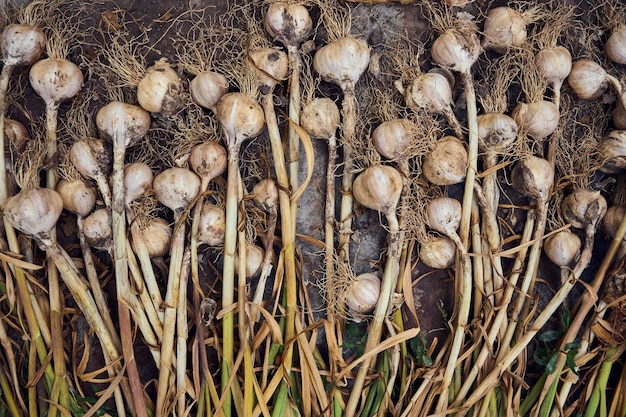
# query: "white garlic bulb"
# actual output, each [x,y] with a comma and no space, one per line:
[21,44]
[123,124]
[157,236]
[497,132]
[320,118]
[55,80]
[554,64]
[393,137]
[137,181]
[207,88]
[438,252]
[209,160]
[588,79]
[619,116]
[161,89]
[211,225]
[272,65]
[254,259]
[265,194]
[363,294]
[342,61]
[612,152]
[612,220]
[378,188]
[288,23]
[538,119]
[240,116]
[562,247]
[615,46]
[443,214]
[584,208]
[78,196]
[34,211]
[504,28]
[533,177]
[447,163]
[98,229]
[176,188]
[457,48]
[430,92]
[16,134]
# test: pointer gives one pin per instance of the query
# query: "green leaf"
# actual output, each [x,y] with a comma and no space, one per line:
[551,365]
[550,336]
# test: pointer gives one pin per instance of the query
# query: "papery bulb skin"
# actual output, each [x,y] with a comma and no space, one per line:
[157,237]
[55,80]
[212,225]
[208,160]
[290,24]
[430,92]
[138,179]
[342,61]
[497,132]
[588,79]
[443,214]
[98,229]
[562,247]
[615,46]
[584,208]
[457,48]
[16,134]
[265,194]
[272,65]
[438,252]
[21,44]
[378,188]
[254,259]
[447,163]
[241,117]
[533,177]
[123,124]
[34,211]
[538,119]
[207,88]
[320,118]
[455,3]
[393,137]
[161,89]
[612,220]
[78,196]
[554,64]
[612,152]
[362,295]
[91,157]
[504,28]
[176,188]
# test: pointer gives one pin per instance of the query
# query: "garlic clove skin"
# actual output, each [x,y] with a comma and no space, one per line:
[21,44]
[254,259]
[207,88]
[538,119]
[362,295]
[504,28]
[554,64]
[265,194]
[211,225]
[176,188]
[393,137]
[378,188]
[438,252]
[342,61]
[290,24]
[447,163]
[443,214]
[615,46]
[320,118]
[98,229]
[533,177]
[612,220]
[588,79]
[138,179]
[584,208]
[78,196]
[430,92]
[272,66]
[55,80]
[161,89]
[91,157]
[612,152]
[123,124]
[208,160]
[241,117]
[457,48]
[562,247]
[16,134]
[34,211]
[497,132]
[157,237]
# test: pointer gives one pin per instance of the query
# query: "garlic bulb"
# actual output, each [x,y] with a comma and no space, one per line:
[443,214]
[176,188]
[208,160]
[157,236]
[447,163]
[363,294]
[342,61]
[161,89]
[554,65]
[393,137]
[320,118]
[34,211]
[98,229]
[123,124]
[55,80]
[584,208]
[533,177]
[137,181]
[212,225]
[272,65]
[240,116]
[619,116]
[430,92]
[562,247]
[612,152]
[457,48]
[504,28]
[78,196]
[378,188]
[21,44]
[290,24]
[538,119]
[588,79]
[438,252]
[265,194]
[207,88]
[615,46]
[612,219]
[497,132]
[16,134]
[254,259]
